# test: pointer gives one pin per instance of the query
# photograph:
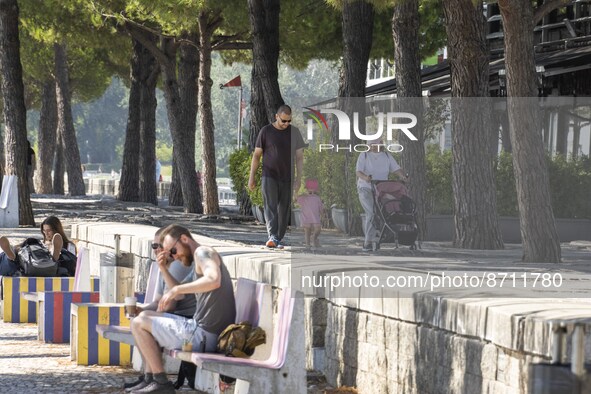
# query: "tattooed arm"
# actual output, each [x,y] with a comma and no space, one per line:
[207,264]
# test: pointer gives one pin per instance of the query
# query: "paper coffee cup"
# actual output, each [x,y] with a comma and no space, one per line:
[130,306]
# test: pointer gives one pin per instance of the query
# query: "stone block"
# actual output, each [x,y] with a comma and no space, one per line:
[407,339]
[391,364]
[371,304]
[473,354]
[350,353]
[371,383]
[442,379]
[391,334]
[375,330]
[390,303]
[357,323]
[488,362]
[406,309]
[348,376]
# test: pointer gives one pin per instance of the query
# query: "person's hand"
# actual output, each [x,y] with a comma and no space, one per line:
[167,300]
[163,259]
[251,184]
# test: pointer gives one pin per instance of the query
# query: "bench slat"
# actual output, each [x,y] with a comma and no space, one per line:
[116,333]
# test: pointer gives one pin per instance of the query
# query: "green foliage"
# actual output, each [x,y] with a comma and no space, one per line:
[570,185]
[164,152]
[239,172]
[335,172]
[505,182]
[238,160]
[439,181]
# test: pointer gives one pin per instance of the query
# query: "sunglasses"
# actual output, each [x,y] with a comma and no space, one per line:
[173,250]
[284,121]
[156,246]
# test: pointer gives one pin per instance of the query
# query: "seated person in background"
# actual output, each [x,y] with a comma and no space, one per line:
[54,238]
[172,272]
[215,307]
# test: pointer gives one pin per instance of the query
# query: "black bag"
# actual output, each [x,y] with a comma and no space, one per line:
[187,371]
[35,260]
[68,261]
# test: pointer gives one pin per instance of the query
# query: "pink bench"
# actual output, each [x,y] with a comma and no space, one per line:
[280,370]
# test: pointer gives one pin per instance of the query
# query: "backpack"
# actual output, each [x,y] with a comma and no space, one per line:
[35,260]
[67,261]
[240,340]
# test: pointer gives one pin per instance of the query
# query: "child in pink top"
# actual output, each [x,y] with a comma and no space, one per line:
[311,213]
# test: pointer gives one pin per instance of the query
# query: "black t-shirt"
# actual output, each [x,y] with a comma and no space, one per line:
[279,147]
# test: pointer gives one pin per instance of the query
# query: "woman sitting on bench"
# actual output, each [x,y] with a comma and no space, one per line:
[54,238]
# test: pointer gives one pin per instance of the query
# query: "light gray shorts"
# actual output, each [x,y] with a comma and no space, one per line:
[170,330]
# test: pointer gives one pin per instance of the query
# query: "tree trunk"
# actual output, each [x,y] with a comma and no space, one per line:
[538,228]
[15,113]
[128,185]
[264,22]
[188,69]
[47,138]
[208,23]
[258,111]
[358,16]
[58,166]
[147,171]
[475,203]
[175,196]
[181,130]
[405,31]
[66,123]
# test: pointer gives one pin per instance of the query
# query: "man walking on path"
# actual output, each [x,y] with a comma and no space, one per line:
[215,308]
[278,143]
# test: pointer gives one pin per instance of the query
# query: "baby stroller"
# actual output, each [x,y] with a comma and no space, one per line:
[394,214]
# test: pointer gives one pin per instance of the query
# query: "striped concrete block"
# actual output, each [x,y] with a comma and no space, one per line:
[18,310]
[86,346]
[54,313]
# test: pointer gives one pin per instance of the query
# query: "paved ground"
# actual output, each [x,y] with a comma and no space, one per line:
[30,366]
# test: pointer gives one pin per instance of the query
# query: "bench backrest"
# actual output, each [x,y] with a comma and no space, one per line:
[285,306]
[9,202]
[153,278]
[82,276]
[247,307]
[254,304]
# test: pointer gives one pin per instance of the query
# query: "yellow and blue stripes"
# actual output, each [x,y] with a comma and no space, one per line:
[19,310]
[90,347]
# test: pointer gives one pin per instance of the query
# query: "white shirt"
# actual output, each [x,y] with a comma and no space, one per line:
[377,164]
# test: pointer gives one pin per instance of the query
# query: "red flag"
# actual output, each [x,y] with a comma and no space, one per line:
[234,82]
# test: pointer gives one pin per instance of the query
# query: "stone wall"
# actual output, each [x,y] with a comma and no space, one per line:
[382,355]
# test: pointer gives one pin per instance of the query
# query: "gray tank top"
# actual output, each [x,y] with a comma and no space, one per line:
[216,310]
